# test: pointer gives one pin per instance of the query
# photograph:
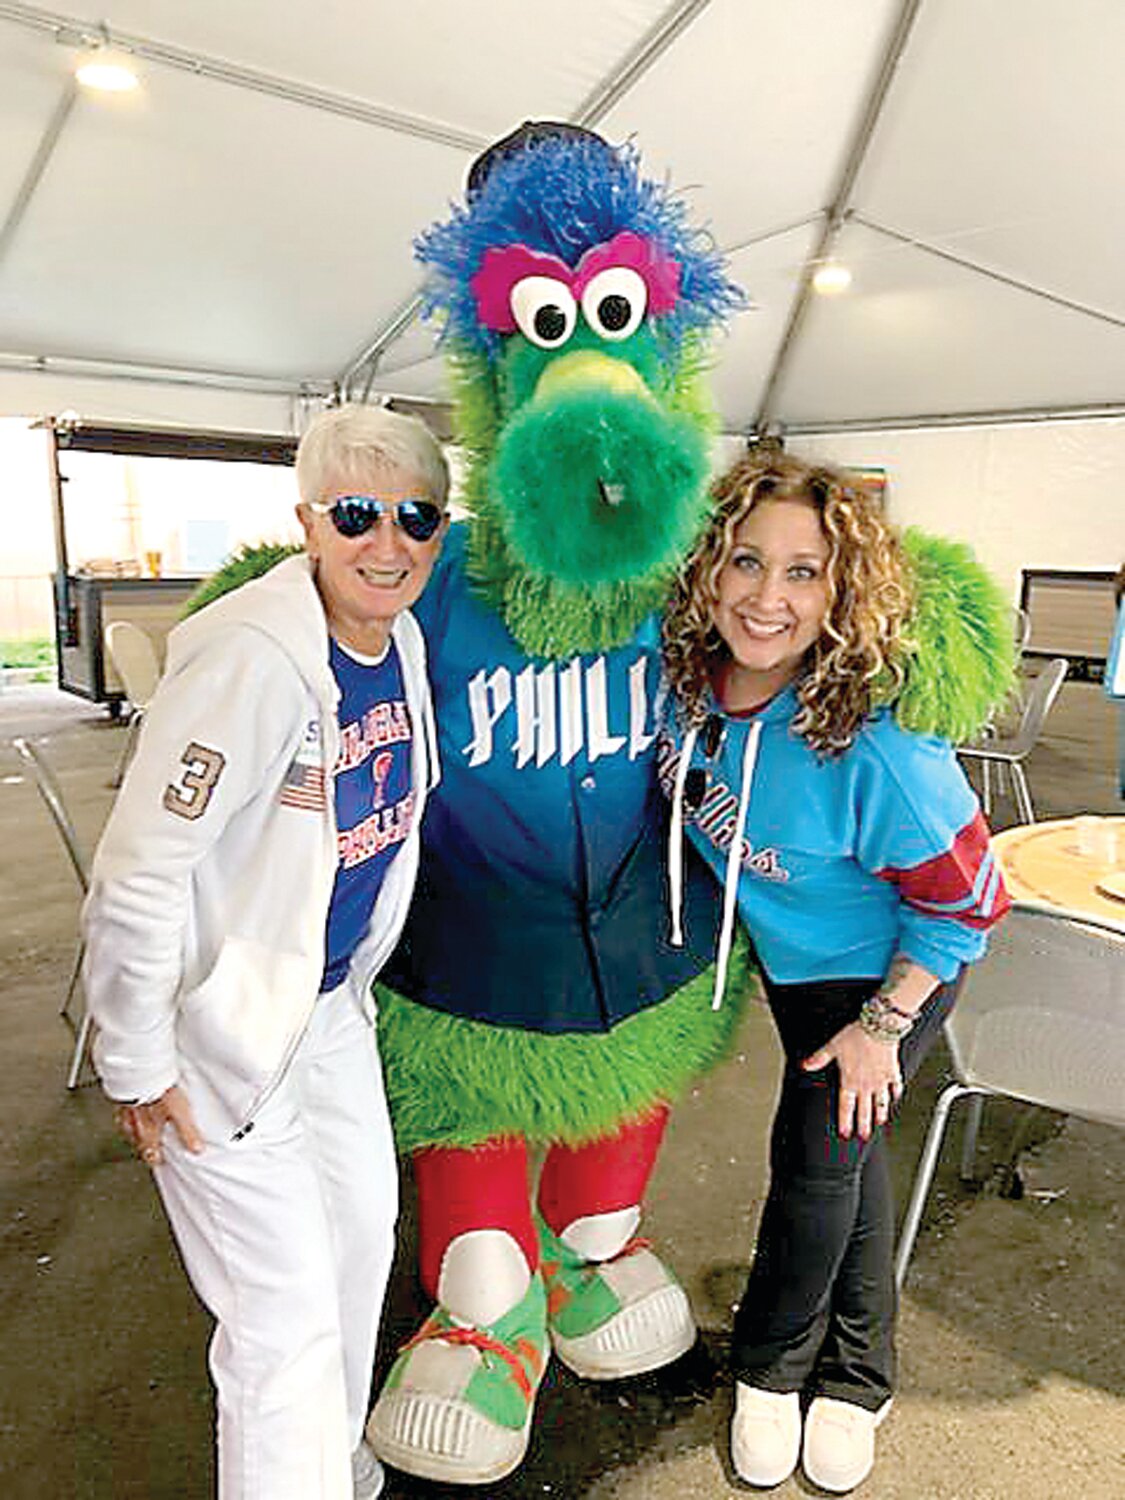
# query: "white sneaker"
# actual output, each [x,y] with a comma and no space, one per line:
[839,1450]
[457,1404]
[644,1320]
[368,1477]
[765,1434]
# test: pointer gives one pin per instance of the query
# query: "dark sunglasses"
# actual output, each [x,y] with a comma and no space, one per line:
[352,515]
[698,777]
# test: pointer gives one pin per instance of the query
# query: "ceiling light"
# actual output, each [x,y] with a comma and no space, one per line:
[106,73]
[829,279]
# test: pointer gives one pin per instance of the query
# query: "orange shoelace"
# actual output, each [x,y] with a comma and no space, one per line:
[476,1338]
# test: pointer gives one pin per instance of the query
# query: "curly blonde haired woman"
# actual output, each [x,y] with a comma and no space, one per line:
[856,856]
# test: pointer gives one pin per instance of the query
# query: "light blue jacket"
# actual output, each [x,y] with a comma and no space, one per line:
[842,863]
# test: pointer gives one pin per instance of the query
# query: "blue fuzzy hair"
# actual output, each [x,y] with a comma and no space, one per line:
[563,196]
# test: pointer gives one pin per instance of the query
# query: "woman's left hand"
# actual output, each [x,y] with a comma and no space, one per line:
[143,1125]
[870,1078]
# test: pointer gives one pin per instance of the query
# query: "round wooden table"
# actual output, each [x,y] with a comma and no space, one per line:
[1048,864]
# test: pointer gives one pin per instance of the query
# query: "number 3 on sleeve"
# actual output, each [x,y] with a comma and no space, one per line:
[188,798]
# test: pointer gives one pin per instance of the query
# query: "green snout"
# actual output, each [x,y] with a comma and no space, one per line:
[594,482]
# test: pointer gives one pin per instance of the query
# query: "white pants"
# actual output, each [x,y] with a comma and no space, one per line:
[287,1236]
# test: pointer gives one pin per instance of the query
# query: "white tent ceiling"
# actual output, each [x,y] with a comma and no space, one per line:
[244,220]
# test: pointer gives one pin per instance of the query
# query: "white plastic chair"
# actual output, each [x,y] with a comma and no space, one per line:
[1022,630]
[134,659]
[79,1019]
[1041,1018]
[1009,752]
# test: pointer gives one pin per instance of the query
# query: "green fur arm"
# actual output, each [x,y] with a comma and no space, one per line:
[963,665]
[250,561]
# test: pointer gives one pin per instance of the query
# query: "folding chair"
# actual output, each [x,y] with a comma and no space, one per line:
[133,656]
[1041,1018]
[1011,751]
[79,1020]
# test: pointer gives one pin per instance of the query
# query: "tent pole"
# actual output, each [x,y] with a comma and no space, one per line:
[34,174]
[836,214]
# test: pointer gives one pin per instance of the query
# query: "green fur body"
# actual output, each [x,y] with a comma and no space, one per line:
[456,1083]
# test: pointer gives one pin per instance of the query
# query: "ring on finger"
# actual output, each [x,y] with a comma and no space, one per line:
[150,1155]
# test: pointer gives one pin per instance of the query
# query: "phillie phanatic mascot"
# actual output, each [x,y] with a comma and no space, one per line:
[536,1004]
[537,1013]
[537,1016]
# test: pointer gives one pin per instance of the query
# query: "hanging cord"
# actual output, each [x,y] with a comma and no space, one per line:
[734,863]
[676,841]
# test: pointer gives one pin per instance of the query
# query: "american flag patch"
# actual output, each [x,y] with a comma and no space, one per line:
[303,787]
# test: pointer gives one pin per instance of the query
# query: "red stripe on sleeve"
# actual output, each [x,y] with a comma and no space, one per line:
[945,885]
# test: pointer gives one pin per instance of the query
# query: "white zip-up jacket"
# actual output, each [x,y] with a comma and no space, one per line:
[205,921]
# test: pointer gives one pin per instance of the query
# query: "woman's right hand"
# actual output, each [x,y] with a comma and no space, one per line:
[870,1078]
[143,1125]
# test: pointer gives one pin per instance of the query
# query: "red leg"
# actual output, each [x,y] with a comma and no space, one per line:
[603,1176]
[461,1189]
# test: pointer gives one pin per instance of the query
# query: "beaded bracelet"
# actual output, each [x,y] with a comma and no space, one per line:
[883,1020]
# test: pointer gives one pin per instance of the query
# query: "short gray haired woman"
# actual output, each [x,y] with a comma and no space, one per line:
[252,879]
[342,443]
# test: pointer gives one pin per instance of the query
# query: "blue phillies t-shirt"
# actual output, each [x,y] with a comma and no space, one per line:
[374,799]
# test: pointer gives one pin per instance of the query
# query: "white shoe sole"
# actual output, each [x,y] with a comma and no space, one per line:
[645,1336]
[444,1438]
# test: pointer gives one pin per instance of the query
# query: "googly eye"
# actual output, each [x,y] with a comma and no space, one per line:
[544,309]
[614,302]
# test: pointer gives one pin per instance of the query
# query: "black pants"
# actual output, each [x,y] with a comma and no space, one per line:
[819,1309]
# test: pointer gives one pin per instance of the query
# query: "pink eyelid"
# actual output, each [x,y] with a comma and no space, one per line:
[502,266]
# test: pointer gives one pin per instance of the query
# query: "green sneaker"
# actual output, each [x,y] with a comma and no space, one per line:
[609,1319]
[458,1402]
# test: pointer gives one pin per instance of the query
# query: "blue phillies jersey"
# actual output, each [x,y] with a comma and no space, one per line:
[542,897]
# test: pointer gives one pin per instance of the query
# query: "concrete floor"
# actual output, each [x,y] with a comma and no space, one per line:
[1012,1358]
